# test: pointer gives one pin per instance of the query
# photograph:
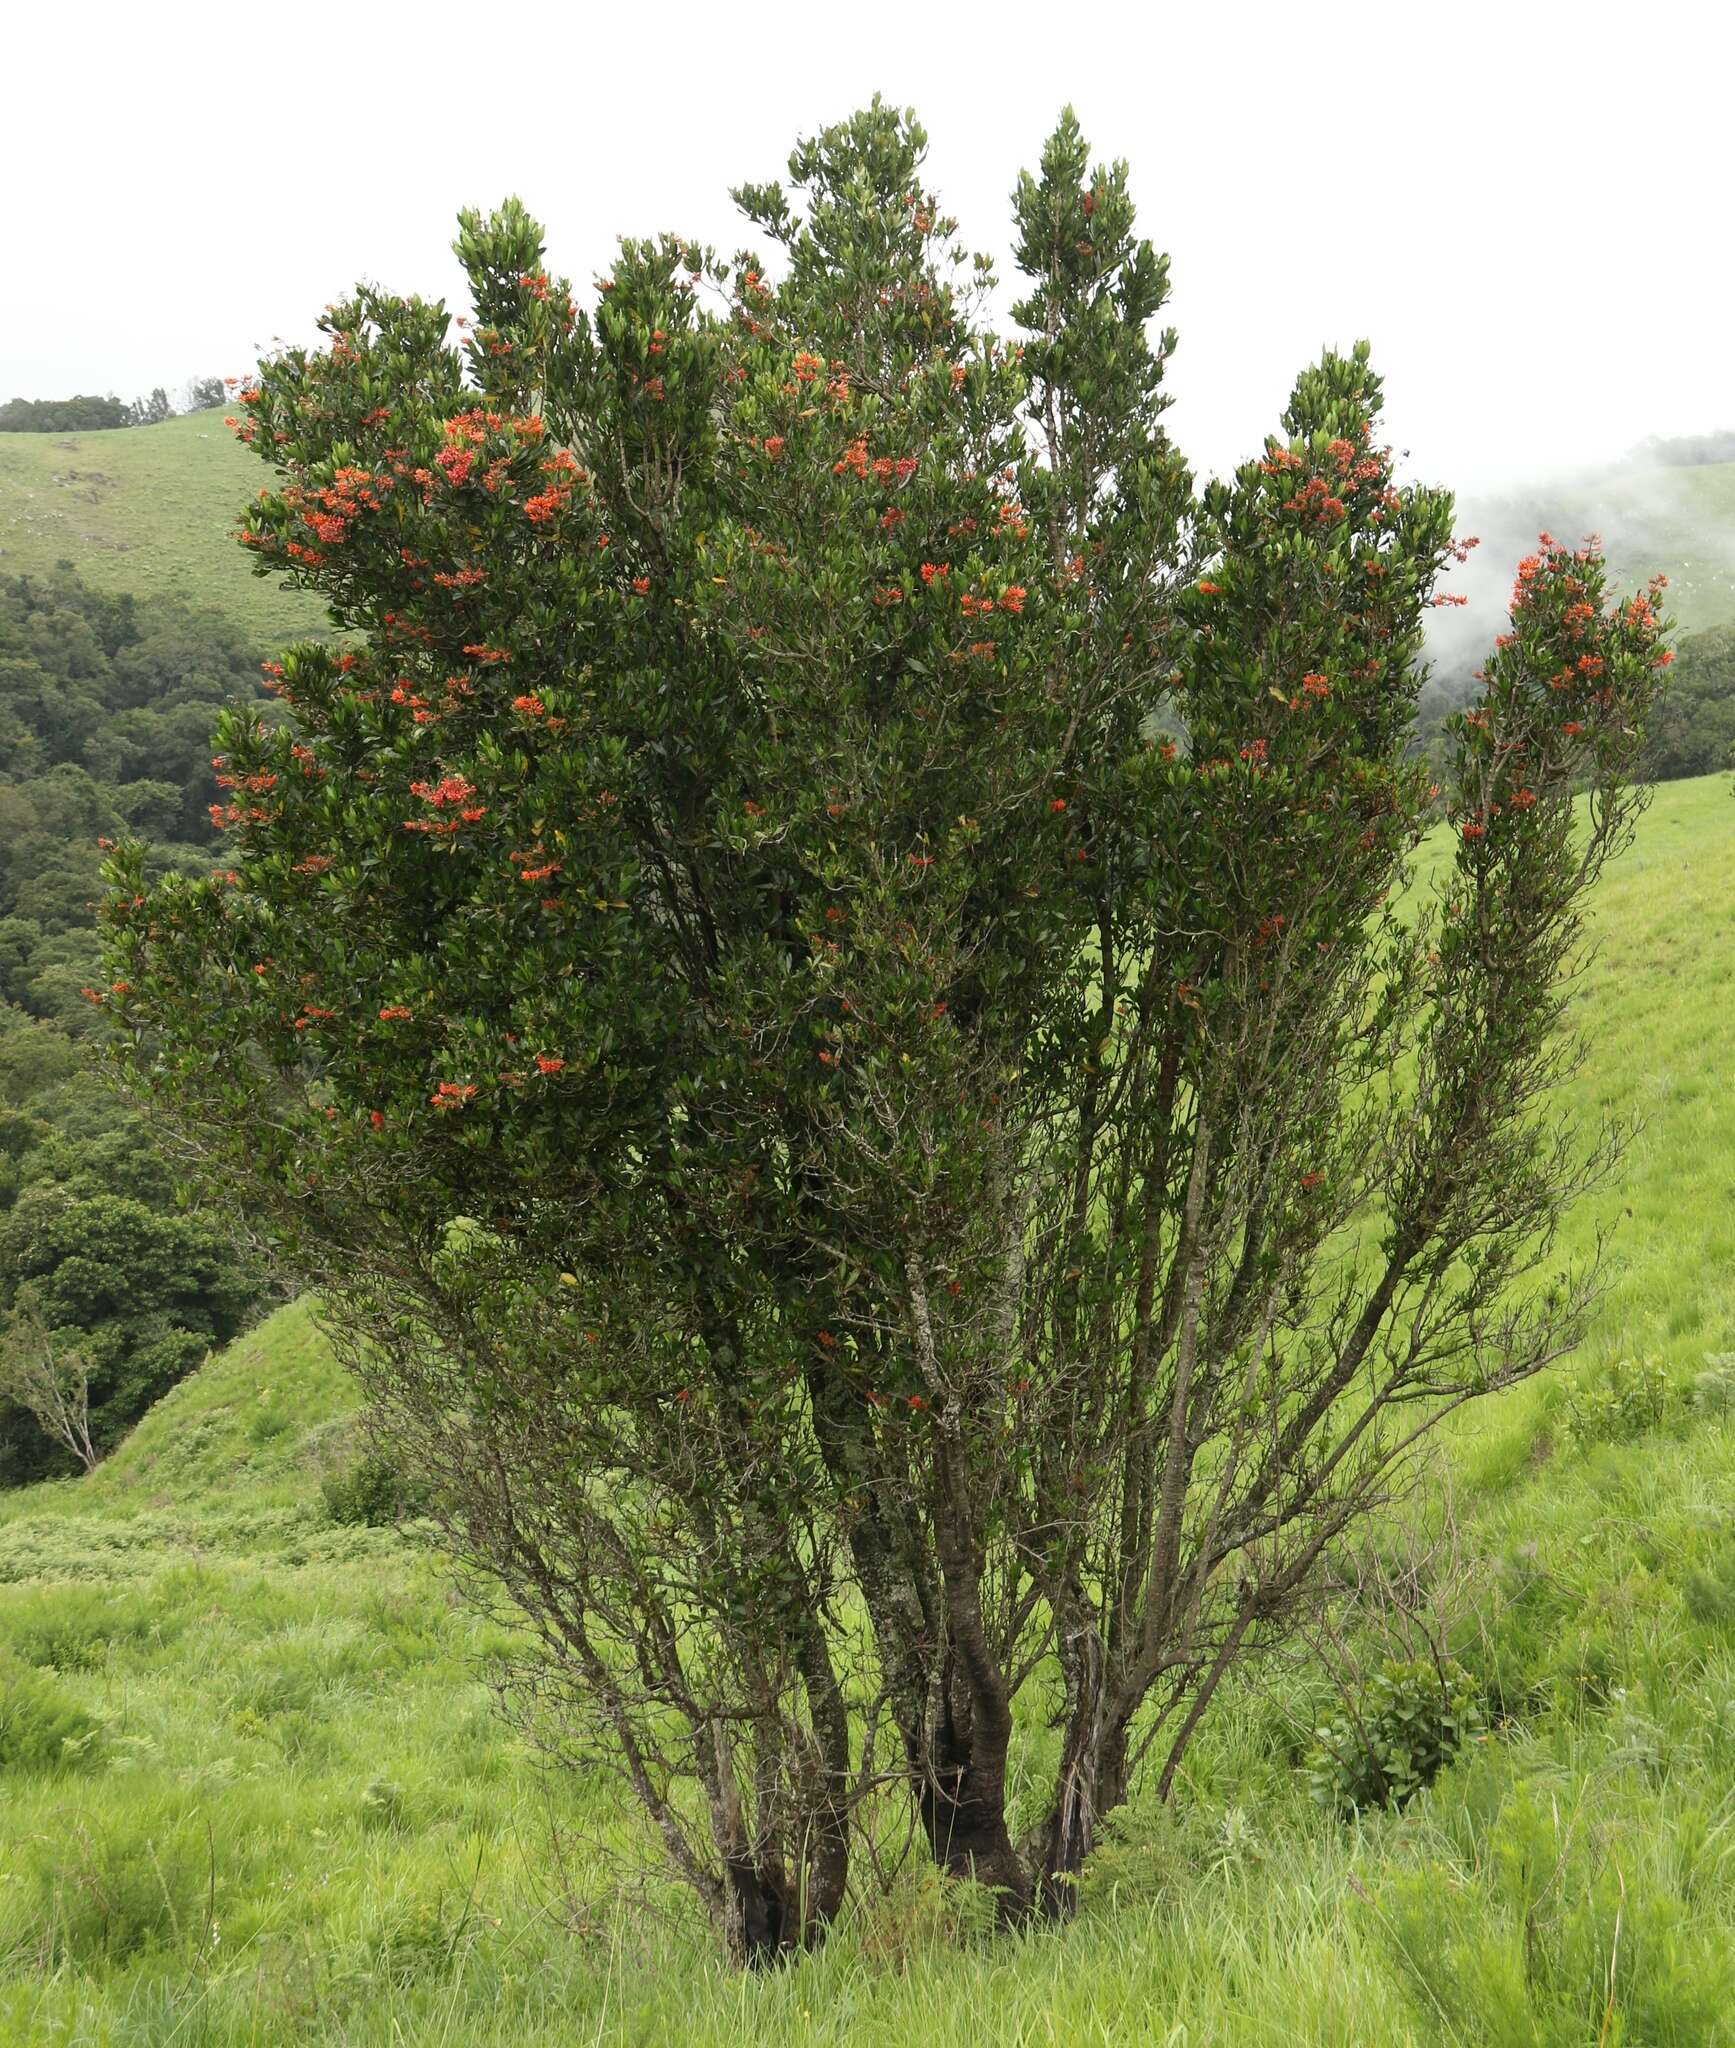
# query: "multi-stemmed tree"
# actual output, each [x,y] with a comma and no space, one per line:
[871,1180]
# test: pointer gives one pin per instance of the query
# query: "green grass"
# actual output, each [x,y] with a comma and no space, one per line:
[149,510]
[278,1807]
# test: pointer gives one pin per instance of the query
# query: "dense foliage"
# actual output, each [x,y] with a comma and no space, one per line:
[1386,1744]
[105,710]
[87,412]
[64,415]
[872,1182]
[1693,729]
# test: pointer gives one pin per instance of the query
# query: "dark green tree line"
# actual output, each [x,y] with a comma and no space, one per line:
[106,706]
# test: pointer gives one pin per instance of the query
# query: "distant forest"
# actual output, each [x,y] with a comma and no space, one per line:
[87,412]
[106,710]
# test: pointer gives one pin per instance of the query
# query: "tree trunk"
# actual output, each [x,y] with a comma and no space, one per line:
[1092,1782]
[961,1797]
[766,1921]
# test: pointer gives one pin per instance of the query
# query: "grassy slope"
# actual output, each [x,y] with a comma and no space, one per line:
[148,510]
[305,1826]
[1674,521]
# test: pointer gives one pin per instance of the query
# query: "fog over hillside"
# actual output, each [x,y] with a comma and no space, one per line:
[1671,518]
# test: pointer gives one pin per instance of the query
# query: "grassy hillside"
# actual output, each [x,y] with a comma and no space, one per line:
[145,509]
[276,1808]
[1676,522]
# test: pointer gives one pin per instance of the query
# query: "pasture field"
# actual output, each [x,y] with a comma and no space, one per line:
[253,1790]
[149,510]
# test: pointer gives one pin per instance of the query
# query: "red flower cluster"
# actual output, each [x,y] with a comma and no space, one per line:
[449,790]
[883,468]
[1316,501]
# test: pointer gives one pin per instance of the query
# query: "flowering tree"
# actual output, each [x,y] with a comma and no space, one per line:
[873,1183]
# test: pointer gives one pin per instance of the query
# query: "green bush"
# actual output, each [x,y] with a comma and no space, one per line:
[1627,1399]
[1408,1724]
[1714,1389]
[382,1804]
[370,1491]
[924,1913]
[40,1728]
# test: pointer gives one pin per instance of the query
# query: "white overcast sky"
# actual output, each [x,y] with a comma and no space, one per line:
[1526,207]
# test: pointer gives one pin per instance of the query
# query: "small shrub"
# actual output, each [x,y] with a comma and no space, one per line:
[922,1911]
[1627,1399]
[410,1941]
[1410,1721]
[1141,1852]
[269,1424]
[382,1804]
[1714,1389]
[40,1728]
[370,1492]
